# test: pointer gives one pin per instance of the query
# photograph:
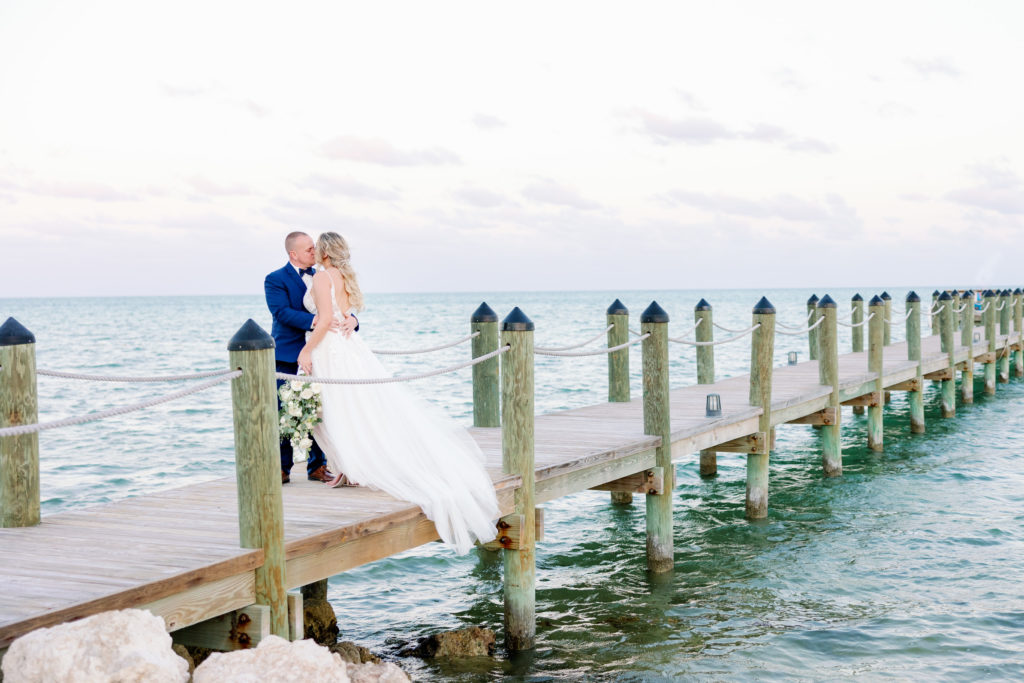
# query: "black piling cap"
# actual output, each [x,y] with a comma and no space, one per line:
[13,333]
[826,302]
[935,293]
[1017,291]
[483,314]
[886,297]
[516,321]
[812,300]
[988,293]
[702,305]
[857,297]
[250,337]
[913,298]
[967,294]
[875,301]
[654,314]
[764,306]
[1005,292]
[617,308]
[945,296]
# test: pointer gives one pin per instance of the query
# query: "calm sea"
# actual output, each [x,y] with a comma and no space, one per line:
[909,567]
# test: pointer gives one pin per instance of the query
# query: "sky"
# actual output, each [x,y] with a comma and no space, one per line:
[167,149]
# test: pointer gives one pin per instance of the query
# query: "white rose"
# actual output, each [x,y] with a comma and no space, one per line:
[284,420]
[316,389]
[304,444]
[307,393]
[286,393]
[296,385]
[294,410]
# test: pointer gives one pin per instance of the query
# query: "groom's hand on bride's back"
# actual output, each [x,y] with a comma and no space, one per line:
[348,326]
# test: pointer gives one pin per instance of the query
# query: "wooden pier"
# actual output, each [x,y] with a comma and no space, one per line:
[179,553]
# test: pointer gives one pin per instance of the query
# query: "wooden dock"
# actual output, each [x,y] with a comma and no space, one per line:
[177,552]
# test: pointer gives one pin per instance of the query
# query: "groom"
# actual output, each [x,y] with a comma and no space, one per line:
[284,290]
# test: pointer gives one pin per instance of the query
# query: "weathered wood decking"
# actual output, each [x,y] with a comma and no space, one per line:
[177,552]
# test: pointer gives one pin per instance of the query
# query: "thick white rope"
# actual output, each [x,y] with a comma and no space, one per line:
[861,323]
[117,378]
[963,308]
[802,331]
[597,336]
[381,352]
[598,352]
[1001,306]
[900,319]
[744,333]
[985,307]
[306,379]
[936,312]
[726,329]
[91,417]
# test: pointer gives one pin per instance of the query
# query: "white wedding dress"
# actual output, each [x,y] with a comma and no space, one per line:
[385,437]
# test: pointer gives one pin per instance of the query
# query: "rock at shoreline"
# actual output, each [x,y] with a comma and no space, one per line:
[354,654]
[128,646]
[475,641]
[381,672]
[321,624]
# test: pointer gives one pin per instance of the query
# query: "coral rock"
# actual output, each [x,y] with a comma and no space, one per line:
[376,673]
[468,642]
[354,654]
[274,659]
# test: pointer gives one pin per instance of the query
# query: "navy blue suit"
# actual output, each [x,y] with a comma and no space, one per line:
[284,290]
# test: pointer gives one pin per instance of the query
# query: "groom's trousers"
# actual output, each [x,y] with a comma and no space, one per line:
[316,455]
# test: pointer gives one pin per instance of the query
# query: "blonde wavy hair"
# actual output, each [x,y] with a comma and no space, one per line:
[331,245]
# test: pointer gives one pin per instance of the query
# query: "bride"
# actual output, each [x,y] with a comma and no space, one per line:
[382,435]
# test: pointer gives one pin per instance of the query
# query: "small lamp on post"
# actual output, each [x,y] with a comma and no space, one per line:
[792,357]
[713,407]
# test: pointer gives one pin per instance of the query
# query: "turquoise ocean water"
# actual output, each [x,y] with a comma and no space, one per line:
[909,567]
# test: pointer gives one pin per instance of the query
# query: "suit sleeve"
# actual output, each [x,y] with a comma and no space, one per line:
[277,302]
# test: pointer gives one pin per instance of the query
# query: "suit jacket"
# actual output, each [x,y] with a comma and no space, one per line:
[284,290]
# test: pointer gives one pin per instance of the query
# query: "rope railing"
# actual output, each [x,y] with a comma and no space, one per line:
[899,318]
[598,352]
[386,352]
[744,333]
[575,346]
[685,335]
[19,430]
[805,330]
[861,323]
[1001,306]
[307,379]
[985,307]
[939,310]
[963,308]
[722,327]
[120,378]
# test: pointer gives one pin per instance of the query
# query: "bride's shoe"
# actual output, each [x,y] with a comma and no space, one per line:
[341,480]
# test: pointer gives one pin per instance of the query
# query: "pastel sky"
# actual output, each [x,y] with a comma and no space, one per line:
[167,148]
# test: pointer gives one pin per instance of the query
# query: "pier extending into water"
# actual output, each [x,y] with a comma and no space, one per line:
[220,561]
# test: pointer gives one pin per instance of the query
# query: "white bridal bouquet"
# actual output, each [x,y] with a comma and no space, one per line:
[300,411]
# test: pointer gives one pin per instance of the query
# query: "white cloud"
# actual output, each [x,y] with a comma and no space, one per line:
[378,151]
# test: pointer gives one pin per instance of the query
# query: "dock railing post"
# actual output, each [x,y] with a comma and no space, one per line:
[876,353]
[517,457]
[915,398]
[1018,356]
[828,374]
[486,390]
[990,340]
[702,317]
[1004,328]
[956,307]
[948,346]
[934,315]
[887,337]
[617,318]
[19,405]
[812,336]
[657,422]
[857,333]
[762,351]
[967,339]
[257,466]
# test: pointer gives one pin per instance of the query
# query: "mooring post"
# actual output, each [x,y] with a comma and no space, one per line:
[857,332]
[828,374]
[517,457]
[1018,356]
[812,317]
[990,339]
[657,422]
[486,391]
[19,405]
[876,351]
[887,300]
[915,397]
[762,350]
[617,318]
[948,347]
[934,314]
[257,465]
[705,373]
[955,293]
[1004,329]
[967,339]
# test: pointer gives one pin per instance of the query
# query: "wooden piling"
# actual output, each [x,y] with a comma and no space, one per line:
[486,388]
[989,318]
[948,347]
[857,333]
[915,397]
[1018,356]
[19,455]
[517,457]
[617,317]
[934,315]
[967,339]
[702,317]
[657,422]
[257,466]
[887,336]
[828,374]
[876,352]
[1004,328]
[762,350]
[812,317]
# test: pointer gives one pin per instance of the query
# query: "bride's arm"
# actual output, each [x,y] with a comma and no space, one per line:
[324,320]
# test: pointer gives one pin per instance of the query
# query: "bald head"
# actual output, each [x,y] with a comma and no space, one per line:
[300,248]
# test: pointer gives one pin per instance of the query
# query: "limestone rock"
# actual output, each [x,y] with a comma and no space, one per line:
[320,620]
[475,641]
[274,659]
[379,672]
[354,654]
[128,646]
